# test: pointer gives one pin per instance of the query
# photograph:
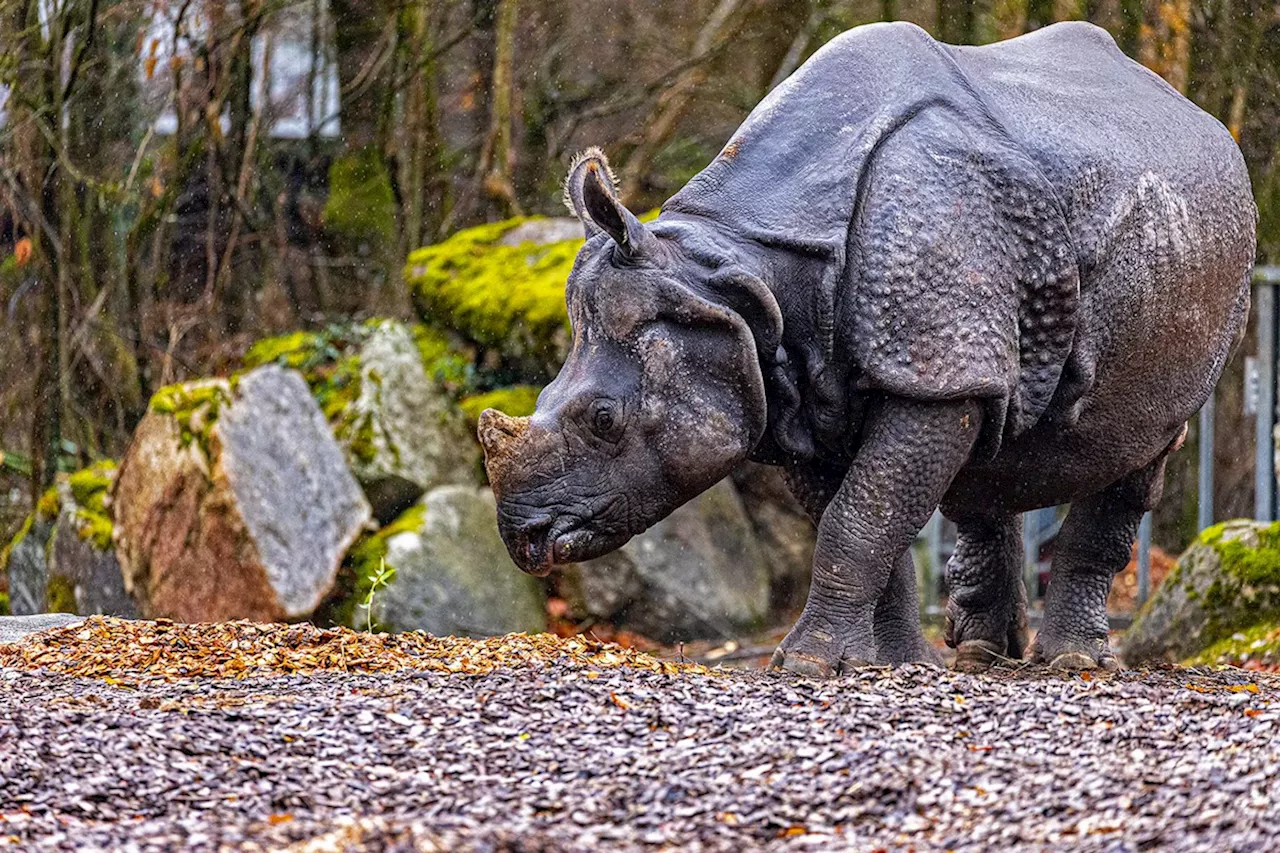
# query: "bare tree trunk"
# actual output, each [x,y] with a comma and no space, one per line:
[423,183]
[725,23]
[497,156]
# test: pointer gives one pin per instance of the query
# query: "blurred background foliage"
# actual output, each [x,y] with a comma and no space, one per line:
[182,178]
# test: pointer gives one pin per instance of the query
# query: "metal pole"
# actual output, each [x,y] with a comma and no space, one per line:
[1144,559]
[933,572]
[1030,571]
[1264,481]
[1204,507]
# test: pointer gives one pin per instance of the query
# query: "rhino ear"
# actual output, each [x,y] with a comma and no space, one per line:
[590,192]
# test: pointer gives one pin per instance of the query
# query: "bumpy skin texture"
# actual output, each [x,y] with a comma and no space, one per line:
[986,279]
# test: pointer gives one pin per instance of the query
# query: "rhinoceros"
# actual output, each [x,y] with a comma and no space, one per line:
[985,279]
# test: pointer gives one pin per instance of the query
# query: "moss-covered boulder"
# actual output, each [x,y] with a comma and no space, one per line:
[388,393]
[25,560]
[442,568]
[234,501]
[699,573]
[1226,583]
[501,286]
[63,559]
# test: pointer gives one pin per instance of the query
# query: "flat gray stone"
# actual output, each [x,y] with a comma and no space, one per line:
[15,628]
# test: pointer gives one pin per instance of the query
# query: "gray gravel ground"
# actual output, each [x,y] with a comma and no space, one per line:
[553,759]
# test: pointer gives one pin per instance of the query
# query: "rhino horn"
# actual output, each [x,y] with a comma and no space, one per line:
[501,436]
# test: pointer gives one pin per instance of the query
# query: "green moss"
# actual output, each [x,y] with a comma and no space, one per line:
[361,204]
[89,489]
[453,371]
[60,595]
[195,407]
[517,401]
[47,506]
[509,298]
[4,604]
[1256,643]
[298,350]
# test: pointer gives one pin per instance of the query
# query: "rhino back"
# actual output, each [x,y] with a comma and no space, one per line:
[1111,135]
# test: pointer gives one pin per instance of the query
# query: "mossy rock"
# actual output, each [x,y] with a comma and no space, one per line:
[63,559]
[388,392]
[194,408]
[247,519]
[1226,583]
[443,570]
[503,297]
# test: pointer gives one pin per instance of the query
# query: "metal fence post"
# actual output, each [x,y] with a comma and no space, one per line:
[933,572]
[1204,506]
[1144,559]
[1264,464]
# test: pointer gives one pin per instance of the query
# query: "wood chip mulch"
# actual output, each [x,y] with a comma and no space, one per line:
[105,647]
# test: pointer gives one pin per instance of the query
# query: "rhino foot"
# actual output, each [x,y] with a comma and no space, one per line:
[816,648]
[809,666]
[1076,656]
[975,656]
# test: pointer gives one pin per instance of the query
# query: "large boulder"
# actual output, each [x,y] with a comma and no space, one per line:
[442,568]
[387,392]
[699,573]
[234,501]
[63,559]
[1226,583]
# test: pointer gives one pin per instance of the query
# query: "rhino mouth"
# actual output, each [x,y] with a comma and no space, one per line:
[539,547]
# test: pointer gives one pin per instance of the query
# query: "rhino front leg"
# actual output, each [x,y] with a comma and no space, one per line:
[987,605]
[897,618]
[1094,545]
[909,455]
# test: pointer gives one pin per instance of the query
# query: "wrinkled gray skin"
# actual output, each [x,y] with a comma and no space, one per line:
[987,279]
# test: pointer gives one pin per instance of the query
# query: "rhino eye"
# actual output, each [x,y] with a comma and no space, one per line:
[604,419]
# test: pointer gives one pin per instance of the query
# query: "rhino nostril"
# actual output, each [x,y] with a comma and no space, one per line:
[536,528]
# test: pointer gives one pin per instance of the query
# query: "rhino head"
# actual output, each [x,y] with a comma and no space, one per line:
[661,394]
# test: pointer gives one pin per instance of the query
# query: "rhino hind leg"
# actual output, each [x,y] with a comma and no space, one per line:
[987,605]
[1094,545]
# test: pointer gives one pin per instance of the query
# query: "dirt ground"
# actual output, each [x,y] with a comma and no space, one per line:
[565,745]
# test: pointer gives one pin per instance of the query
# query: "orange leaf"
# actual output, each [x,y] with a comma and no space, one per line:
[277,819]
[621,703]
[22,251]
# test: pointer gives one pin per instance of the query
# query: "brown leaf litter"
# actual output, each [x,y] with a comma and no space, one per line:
[105,647]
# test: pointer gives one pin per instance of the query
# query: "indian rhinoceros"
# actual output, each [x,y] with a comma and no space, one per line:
[988,279]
